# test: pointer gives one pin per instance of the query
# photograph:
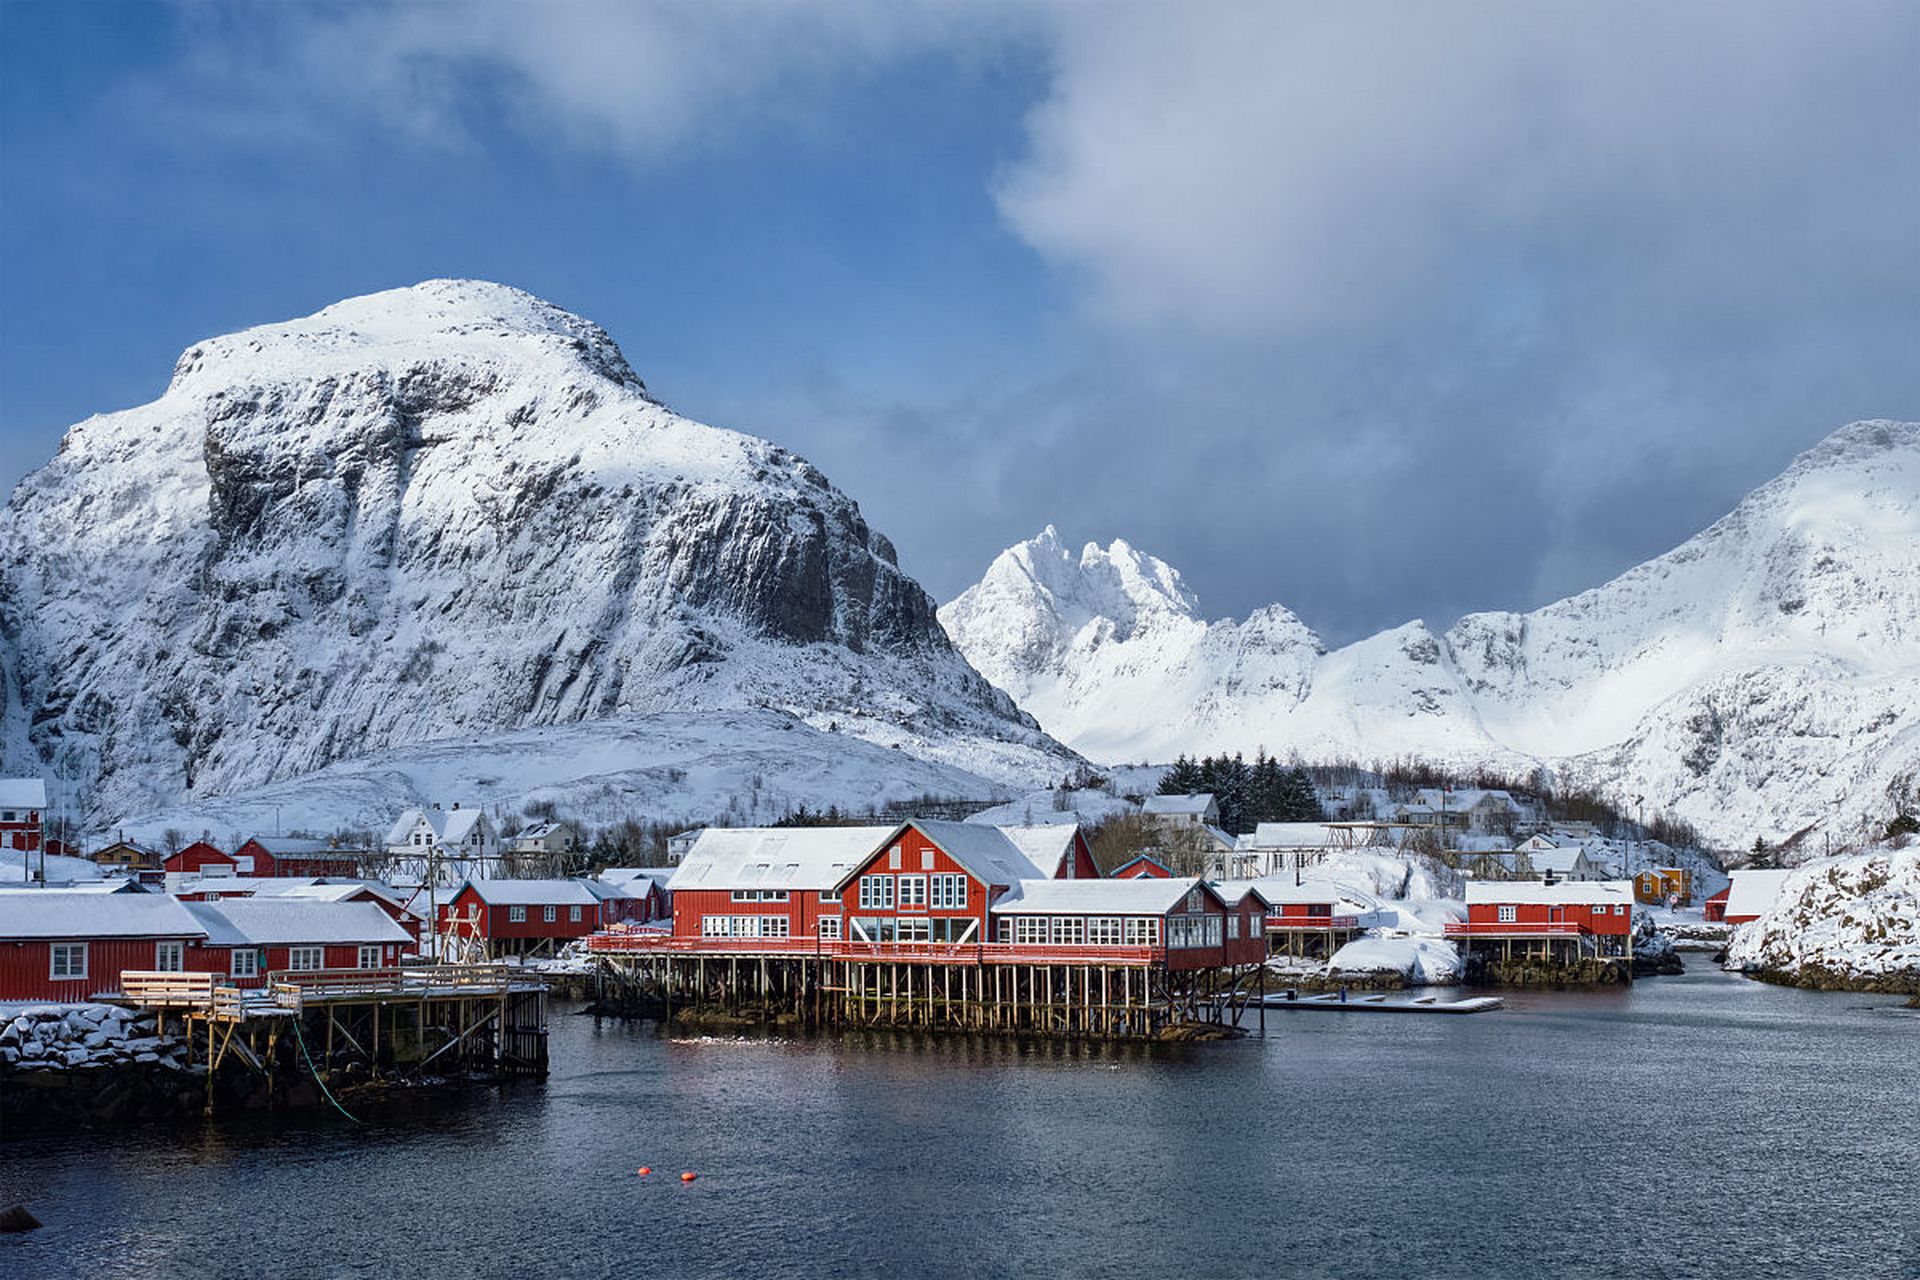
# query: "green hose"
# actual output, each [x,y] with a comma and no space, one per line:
[316,1073]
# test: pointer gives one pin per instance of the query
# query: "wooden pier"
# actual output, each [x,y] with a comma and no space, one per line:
[371,1023]
[1117,993]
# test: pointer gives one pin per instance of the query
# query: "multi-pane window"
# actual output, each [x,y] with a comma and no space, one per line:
[369,957]
[745,926]
[306,958]
[1143,931]
[1508,915]
[915,930]
[949,892]
[69,960]
[1031,930]
[516,915]
[246,963]
[830,927]
[170,957]
[1193,931]
[573,913]
[1104,931]
[550,914]
[1069,931]
[761,895]
[876,893]
[1233,925]
[913,891]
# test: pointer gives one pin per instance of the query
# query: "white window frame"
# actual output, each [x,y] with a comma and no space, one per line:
[913,892]
[1619,908]
[1143,931]
[1509,914]
[296,954]
[369,957]
[876,893]
[915,929]
[573,914]
[169,957]
[245,963]
[516,915]
[949,891]
[1104,931]
[61,961]
[1032,931]
[1069,931]
[830,928]
[549,914]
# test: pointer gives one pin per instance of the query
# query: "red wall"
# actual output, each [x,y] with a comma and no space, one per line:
[1084,867]
[22,835]
[914,850]
[219,960]
[1529,913]
[24,968]
[195,856]
[265,864]
[1135,870]
[495,924]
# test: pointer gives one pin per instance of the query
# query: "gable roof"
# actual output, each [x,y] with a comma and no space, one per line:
[775,857]
[1285,835]
[449,826]
[1753,892]
[1559,893]
[273,922]
[1146,858]
[530,893]
[631,875]
[55,913]
[1160,806]
[988,854]
[1046,847]
[23,793]
[1143,896]
[293,846]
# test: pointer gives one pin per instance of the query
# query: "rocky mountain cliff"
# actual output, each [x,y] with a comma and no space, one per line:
[1762,678]
[429,515]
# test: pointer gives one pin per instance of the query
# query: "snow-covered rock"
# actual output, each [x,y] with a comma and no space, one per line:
[1421,961]
[1759,679]
[1841,921]
[437,515]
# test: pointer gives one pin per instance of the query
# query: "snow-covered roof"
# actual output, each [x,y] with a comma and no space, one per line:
[1146,895]
[1752,893]
[1140,858]
[55,913]
[244,886]
[530,893]
[988,853]
[1046,847]
[628,875]
[1556,859]
[115,884]
[1285,835]
[449,826]
[1192,805]
[272,922]
[337,891]
[1558,893]
[610,891]
[541,831]
[775,857]
[23,793]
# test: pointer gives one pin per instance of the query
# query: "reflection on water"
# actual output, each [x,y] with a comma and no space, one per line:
[1698,1125]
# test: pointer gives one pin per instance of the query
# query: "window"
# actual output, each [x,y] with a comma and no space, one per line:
[926,859]
[1619,908]
[1599,908]
[876,893]
[69,960]
[416,838]
[773,926]
[573,913]
[1069,931]
[516,915]
[1233,925]
[246,963]
[369,957]
[759,895]
[913,891]
[893,858]
[1508,915]
[1030,930]
[830,928]
[915,930]
[170,957]
[1193,931]
[550,914]
[828,895]
[949,892]
[1143,931]
[211,897]
[1104,931]
[301,959]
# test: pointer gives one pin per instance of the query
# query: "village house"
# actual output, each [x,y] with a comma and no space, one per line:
[1661,885]
[71,947]
[1545,863]
[1562,922]
[294,856]
[1309,918]
[489,918]
[1187,919]
[249,939]
[772,883]
[1714,909]
[126,855]
[928,882]
[456,835]
[1172,812]
[545,839]
[648,885]
[1143,865]
[1752,893]
[23,806]
[680,844]
[202,859]
[1277,848]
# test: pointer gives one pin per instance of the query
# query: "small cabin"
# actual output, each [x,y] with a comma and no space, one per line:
[203,858]
[126,855]
[249,939]
[1714,909]
[527,917]
[1659,886]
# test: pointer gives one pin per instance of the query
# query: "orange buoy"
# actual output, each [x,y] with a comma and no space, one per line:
[644,1170]
[688,1177]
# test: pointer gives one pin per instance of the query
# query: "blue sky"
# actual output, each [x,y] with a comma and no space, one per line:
[1379,311]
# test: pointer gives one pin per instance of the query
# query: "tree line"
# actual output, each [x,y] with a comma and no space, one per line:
[1248,794]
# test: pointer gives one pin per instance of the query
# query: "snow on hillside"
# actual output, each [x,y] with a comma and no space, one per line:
[1758,679]
[1841,921]
[435,515]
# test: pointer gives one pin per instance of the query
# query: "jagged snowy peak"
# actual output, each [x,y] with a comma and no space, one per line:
[437,513]
[1760,678]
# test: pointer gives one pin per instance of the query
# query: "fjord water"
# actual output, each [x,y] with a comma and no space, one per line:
[1692,1126]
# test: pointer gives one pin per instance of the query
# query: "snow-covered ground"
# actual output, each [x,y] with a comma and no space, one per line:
[1041,808]
[19,867]
[1848,919]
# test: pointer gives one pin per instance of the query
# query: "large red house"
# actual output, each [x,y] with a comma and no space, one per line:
[1187,917]
[70,947]
[1576,918]
[521,917]
[772,883]
[294,856]
[201,858]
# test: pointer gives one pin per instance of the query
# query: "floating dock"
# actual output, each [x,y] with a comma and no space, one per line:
[1377,1002]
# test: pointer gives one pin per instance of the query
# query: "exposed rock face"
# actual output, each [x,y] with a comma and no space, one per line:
[1850,923]
[433,514]
[1762,678]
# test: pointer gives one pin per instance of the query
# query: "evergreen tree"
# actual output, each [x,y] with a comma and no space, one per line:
[1297,801]
[1182,779]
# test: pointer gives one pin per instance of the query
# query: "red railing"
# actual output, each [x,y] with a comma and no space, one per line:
[628,943]
[1514,928]
[1313,922]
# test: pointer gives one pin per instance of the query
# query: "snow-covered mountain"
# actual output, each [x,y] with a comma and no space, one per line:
[436,514]
[1759,679]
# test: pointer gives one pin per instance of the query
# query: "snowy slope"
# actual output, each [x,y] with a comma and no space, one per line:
[436,515]
[1761,678]
[1841,921]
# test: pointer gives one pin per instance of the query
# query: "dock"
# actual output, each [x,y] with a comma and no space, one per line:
[1377,1002]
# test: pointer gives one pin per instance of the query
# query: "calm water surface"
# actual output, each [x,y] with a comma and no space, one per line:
[1694,1126]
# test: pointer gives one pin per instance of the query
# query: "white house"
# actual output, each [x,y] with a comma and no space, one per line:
[1196,810]
[546,838]
[454,833]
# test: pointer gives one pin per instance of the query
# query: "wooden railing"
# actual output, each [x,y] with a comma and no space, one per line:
[1514,928]
[638,942]
[158,990]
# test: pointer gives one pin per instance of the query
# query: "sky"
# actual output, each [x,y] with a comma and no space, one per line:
[1378,311]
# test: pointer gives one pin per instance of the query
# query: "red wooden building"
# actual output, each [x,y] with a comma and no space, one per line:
[1058,851]
[201,858]
[767,882]
[1143,866]
[70,947]
[1714,909]
[23,805]
[928,882]
[291,856]
[523,917]
[249,938]
[1187,919]
[1566,920]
